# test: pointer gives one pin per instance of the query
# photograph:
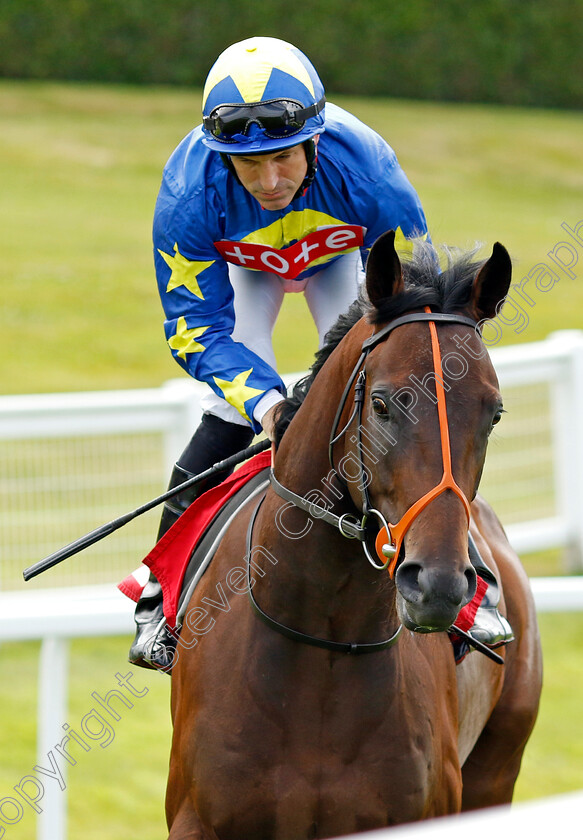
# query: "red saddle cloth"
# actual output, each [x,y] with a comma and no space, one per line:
[169,558]
[467,615]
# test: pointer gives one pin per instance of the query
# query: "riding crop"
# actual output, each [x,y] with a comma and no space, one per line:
[109,527]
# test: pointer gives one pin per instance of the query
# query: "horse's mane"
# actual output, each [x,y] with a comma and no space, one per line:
[445,289]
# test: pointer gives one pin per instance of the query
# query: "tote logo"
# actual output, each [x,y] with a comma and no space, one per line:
[317,247]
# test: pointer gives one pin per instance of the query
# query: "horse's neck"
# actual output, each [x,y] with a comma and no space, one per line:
[302,457]
[318,574]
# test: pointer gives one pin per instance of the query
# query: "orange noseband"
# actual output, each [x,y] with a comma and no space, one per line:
[390,538]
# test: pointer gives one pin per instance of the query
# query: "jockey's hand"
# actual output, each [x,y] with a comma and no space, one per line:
[268,422]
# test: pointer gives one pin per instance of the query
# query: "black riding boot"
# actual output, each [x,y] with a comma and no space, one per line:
[155,643]
[490,627]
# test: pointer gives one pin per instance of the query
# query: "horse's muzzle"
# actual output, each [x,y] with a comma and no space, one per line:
[430,598]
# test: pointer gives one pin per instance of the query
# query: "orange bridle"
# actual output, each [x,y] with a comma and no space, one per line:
[390,538]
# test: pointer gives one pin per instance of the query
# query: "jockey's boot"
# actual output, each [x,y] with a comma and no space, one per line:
[154,645]
[490,627]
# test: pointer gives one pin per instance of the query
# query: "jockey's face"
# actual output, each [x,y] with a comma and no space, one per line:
[272,179]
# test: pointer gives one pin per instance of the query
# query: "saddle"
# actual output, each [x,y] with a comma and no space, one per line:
[171,560]
[206,547]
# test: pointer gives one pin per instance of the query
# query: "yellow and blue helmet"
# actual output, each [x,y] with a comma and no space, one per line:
[261,95]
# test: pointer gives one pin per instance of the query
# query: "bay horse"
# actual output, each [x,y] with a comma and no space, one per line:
[321,697]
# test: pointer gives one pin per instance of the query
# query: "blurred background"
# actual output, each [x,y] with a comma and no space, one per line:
[498,51]
[482,104]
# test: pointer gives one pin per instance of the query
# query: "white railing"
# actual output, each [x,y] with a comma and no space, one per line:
[551,371]
[70,462]
[557,364]
[172,410]
[57,616]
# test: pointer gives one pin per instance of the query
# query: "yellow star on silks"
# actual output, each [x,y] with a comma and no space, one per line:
[237,392]
[184,339]
[184,272]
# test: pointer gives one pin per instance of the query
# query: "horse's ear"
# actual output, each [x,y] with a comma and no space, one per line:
[492,283]
[384,277]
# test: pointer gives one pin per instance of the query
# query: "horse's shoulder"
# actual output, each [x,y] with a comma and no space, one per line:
[495,547]
[485,518]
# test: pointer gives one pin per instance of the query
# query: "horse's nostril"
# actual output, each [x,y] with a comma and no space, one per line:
[420,584]
[407,579]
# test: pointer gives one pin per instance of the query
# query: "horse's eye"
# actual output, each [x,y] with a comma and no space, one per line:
[498,416]
[379,407]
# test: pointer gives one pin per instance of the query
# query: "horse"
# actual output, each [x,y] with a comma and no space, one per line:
[316,693]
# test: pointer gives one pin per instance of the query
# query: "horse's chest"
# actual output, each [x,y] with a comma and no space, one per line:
[287,804]
[326,777]
[306,746]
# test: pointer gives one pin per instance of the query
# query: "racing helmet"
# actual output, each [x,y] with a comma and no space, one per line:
[261,95]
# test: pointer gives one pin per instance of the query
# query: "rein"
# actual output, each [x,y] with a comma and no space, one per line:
[390,536]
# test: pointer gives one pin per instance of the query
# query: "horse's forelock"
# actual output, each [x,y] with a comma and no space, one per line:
[445,289]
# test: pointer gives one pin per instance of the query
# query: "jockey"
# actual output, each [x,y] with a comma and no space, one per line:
[276,192]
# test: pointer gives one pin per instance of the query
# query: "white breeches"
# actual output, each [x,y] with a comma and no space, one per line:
[258,299]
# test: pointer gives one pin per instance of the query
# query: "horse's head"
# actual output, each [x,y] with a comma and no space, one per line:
[430,402]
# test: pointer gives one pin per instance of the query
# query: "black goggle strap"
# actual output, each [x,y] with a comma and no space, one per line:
[312,159]
[216,124]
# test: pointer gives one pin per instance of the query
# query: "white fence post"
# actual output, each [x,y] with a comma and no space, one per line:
[567,404]
[52,710]
[576,497]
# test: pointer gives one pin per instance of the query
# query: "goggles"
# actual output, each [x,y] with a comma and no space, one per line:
[278,118]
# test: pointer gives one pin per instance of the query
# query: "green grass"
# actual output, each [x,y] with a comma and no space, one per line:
[80,168]
[553,760]
[113,791]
